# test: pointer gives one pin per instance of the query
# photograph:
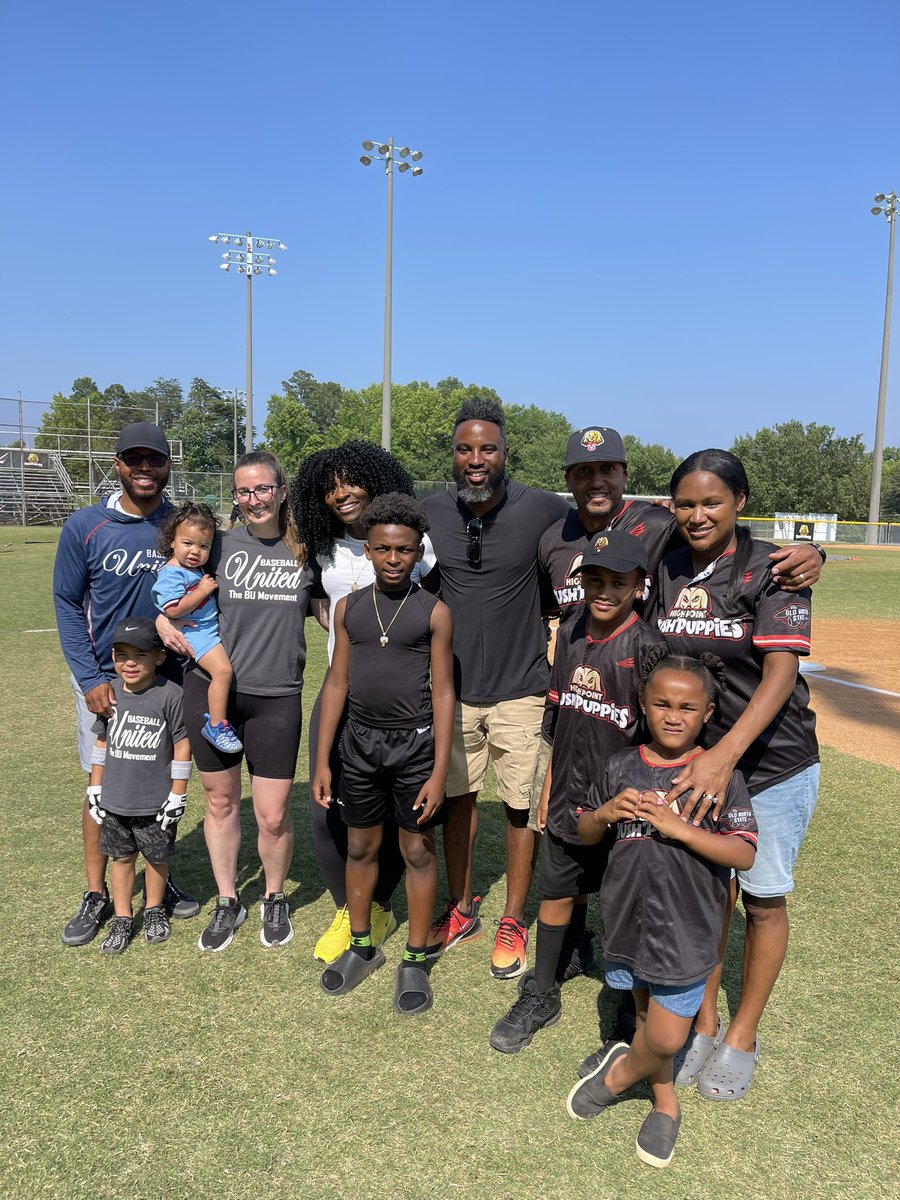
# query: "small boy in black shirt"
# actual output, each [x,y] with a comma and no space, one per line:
[395,748]
[140,768]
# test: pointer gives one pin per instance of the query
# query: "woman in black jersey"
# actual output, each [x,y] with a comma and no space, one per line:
[717,595]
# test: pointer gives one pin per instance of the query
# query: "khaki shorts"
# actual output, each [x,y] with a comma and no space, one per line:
[509,735]
[537,783]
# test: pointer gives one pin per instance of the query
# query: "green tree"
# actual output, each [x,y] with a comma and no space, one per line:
[206,429]
[290,432]
[74,420]
[890,482]
[794,467]
[537,445]
[650,467]
[319,400]
[162,402]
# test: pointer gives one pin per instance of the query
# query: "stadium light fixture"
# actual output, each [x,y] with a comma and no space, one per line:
[250,257]
[386,154]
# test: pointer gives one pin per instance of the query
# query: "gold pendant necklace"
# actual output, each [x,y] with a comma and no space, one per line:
[384,632]
[354,576]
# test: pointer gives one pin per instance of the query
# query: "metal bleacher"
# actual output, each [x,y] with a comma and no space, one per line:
[35,488]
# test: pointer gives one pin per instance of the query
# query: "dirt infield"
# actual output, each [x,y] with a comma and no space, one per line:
[860,723]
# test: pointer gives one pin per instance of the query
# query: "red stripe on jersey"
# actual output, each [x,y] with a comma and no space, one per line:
[105,521]
[774,641]
[741,833]
[553,697]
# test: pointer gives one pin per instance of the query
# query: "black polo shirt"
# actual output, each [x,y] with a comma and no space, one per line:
[562,546]
[499,646]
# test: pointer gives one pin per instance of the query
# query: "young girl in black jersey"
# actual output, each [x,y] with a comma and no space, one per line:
[664,893]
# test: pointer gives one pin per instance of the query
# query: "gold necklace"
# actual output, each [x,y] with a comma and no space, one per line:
[384,632]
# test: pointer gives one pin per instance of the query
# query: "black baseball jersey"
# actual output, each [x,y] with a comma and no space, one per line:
[562,546]
[594,688]
[694,617]
[499,644]
[389,683]
[662,904]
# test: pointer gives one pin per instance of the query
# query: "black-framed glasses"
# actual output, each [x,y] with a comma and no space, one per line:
[262,491]
[473,549]
[134,458]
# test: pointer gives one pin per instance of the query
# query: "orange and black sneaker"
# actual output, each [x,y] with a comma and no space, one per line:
[454,927]
[508,960]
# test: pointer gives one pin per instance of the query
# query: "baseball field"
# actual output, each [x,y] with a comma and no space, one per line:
[170,1075]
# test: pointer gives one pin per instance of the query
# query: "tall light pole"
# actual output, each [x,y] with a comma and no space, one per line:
[251,256]
[386,155]
[886,204]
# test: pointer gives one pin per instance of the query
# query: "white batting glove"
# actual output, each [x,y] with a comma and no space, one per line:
[95,812]
[171,811]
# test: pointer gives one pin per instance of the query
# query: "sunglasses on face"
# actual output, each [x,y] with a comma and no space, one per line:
[473,549]
[262,491]
[134,458]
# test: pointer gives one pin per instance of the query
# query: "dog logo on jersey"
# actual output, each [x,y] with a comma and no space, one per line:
[691,615]
[585,694]
[795,615]
[592,439]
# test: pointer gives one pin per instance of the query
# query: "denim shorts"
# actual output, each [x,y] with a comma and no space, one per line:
[682,1000]
[783,813]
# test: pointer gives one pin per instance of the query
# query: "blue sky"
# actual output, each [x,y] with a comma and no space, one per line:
[651,216]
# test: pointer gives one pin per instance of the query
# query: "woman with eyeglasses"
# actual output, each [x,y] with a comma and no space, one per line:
[263,593]
[330,494]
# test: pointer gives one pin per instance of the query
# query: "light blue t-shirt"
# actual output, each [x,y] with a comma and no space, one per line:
[172,584]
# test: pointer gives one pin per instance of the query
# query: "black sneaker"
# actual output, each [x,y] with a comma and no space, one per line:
[590,1095]
[116,941]
[229,915]
[588,1065]
[277,929]
[655,1143]
[532,1011]
[178,903]
[84,926]
[156,924]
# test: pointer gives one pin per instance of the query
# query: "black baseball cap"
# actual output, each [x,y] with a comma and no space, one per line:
[595,443]
[139,632]
[616,550]
[143,436]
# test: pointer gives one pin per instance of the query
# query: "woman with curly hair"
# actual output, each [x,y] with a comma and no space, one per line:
[330,494]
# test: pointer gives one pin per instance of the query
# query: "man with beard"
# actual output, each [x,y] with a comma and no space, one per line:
[485,536]
[105,566]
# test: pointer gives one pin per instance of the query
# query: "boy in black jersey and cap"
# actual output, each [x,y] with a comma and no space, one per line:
[395,750]
[593,704]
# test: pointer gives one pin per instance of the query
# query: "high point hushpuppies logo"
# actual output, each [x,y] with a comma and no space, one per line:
[592,440]
[794,615]
[691,614]
[585,693]
[626,830]
[571,591]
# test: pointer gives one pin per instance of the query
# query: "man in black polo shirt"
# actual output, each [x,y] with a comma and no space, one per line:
[485,535]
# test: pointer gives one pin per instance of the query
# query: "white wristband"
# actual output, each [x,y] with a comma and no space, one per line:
[98,756]
[182,770]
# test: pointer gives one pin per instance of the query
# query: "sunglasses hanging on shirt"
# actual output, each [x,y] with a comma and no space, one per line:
[473,549]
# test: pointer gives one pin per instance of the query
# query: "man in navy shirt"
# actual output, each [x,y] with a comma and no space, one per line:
[106,562]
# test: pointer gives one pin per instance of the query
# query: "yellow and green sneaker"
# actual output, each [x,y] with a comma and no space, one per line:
[336,938]
[384,923]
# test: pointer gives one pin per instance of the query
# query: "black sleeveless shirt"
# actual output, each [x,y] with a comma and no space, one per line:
[389,684]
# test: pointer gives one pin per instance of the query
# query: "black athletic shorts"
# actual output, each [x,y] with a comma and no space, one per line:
[269,727]
[121,836]
[382,772]
[570,868]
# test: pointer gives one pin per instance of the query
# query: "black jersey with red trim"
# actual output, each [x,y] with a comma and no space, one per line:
[662,903]
[561,548]
[390,657]
[693,616]
[594,689]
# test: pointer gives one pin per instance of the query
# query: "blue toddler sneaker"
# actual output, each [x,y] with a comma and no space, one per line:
[222,736]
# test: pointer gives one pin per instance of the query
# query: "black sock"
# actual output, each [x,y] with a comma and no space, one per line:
[414,955]
[361,944]
[574,938]
[550,940]
[578,923]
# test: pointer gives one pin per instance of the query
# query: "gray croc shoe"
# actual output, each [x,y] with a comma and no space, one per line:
[348,972]
[412,991]
[692,1057]
[728,1073]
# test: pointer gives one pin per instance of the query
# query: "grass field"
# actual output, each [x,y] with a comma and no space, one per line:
[171,1075]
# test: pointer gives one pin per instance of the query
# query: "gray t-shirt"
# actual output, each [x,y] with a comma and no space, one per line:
[140,740]
[263,597]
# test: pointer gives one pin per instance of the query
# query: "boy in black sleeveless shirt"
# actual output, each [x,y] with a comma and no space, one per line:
[395,749]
